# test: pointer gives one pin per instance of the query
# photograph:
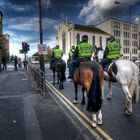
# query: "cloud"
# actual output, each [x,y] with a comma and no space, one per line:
[97,10]
[28,23]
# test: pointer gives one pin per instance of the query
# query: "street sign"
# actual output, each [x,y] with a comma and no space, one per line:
[42,49]
[21,51]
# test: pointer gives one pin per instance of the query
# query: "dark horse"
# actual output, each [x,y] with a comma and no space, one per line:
[90,76]
[59,66]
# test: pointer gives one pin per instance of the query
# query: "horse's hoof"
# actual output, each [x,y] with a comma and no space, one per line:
[75,101]
[109,97]
[100,122]
[83,103]
[94,124]
[127,112]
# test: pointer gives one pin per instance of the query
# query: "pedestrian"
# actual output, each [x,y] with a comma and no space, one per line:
[15,63]
[112,52]
[82,51]
[4,63]
[56,55]
[70,55]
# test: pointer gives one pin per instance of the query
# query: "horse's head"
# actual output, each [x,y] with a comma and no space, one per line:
[98,53]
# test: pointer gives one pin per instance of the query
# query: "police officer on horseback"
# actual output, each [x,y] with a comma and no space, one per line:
[82,51]
[56,55]
[112,52]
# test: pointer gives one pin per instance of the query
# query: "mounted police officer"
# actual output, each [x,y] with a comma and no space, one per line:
[71,53]
[82,51]
[56,55]
[112,52]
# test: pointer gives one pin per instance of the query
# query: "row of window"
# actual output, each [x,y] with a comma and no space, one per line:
[126,51]
[125,26]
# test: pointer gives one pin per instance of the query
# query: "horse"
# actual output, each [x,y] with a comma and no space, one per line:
[90,76]
[126,73]
[59,66]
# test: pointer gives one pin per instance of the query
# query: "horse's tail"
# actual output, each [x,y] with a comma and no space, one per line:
[63,69]
[135,82]
[95,95]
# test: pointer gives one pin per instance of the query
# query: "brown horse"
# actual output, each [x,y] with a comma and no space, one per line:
[90,76]
[59,66]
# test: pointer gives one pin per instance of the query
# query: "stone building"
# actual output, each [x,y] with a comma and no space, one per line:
[126,33]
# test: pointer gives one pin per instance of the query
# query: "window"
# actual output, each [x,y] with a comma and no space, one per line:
[100,39]
[116,24]
[116,33]
[78,38]
[64,42]
[93,40]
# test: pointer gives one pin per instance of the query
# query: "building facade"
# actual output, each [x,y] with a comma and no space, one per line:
[126,33]
[1,18]
[70,34]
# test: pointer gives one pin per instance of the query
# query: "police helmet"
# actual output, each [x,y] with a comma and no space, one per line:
[57,47]
[111,38]
[84,38]
[73,47]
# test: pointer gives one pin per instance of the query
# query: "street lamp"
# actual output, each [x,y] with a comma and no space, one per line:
[117,2]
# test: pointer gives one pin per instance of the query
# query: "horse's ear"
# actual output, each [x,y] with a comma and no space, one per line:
[95,47]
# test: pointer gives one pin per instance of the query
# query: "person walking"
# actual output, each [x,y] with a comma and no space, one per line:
[82,51]
[112,52]
[15,62]
[71,52]
[56,55]
[4,63]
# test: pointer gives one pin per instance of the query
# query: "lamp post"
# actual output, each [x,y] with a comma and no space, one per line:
[41,58]
[125,4]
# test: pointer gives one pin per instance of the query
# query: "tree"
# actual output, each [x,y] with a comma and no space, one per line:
[49,54]
[3,50]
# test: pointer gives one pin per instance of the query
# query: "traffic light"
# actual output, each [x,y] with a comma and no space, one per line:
[25,47]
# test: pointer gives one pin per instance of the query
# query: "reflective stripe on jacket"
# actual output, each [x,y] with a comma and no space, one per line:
[114,50]
[57,53]
[84,50]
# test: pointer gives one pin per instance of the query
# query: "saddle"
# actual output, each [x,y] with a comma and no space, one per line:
[110,71]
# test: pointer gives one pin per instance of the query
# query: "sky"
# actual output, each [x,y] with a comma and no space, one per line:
[21,20]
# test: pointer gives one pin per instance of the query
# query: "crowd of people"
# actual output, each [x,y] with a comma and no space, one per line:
[17,62]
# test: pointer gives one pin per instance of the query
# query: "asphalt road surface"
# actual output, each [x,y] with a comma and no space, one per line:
[115,123]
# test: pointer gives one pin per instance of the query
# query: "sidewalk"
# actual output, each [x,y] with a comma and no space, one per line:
[25,115]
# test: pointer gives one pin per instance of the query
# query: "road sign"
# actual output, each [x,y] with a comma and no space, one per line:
[42,49]
[21,51]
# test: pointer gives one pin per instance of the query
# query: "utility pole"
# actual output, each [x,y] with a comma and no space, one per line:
[41,58]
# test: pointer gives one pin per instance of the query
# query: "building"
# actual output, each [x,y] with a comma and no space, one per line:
[1,33]
[69,34]
[1,19]
[126,33]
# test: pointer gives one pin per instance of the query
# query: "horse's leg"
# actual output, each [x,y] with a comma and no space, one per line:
[128,105]
[109,96]
[58,78]
[99,117]
[94,119]
[76,91]
[83,98]
[54,77]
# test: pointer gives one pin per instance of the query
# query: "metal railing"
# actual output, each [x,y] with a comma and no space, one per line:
[39,77]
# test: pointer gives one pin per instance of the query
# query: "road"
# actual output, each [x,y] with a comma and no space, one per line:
[115,123]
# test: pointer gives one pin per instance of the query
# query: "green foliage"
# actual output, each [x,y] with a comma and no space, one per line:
[2,46]
[49,54]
